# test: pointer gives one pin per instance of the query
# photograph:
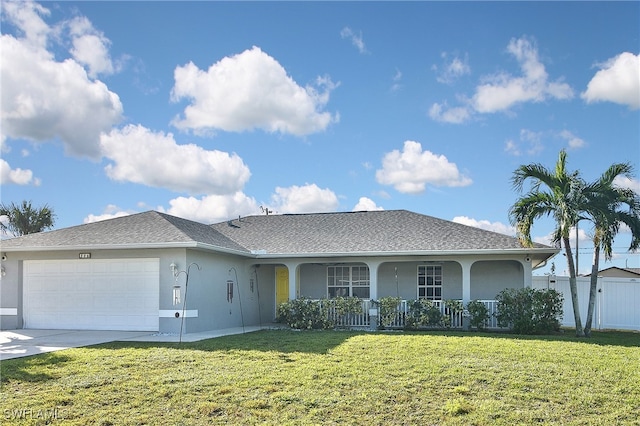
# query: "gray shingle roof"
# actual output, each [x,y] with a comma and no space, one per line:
[388,231]
[371,231]
[142,229]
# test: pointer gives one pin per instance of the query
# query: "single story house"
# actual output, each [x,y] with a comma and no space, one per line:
[156,272]
[615,272]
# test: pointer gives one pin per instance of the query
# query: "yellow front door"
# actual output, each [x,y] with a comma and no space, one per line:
[282,285]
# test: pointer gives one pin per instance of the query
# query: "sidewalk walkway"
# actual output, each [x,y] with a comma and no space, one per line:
[195,337]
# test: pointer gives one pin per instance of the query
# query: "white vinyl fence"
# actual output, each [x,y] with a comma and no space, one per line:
[617,301]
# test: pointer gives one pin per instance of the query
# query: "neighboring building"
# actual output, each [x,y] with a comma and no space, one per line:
[121,273]
[616,272]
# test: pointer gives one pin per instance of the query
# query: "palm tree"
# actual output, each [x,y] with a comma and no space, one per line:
[24,219]
[609,206]
[556,193]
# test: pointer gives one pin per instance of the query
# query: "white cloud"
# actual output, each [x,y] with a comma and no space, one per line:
[445,114]
[529,143]
[452,68]
[90,47]
[498,227]
[583,239]
[412,169]
[573,141]
[397,81]
[304,199]
[544,239]
[110,212]
[356,39]
[617,81]
[43,99]
[501,91]
[249,91]
[26,16]
[155,159]
[16,176]
[625,182]
[366,204]
[512,148]
[213,208]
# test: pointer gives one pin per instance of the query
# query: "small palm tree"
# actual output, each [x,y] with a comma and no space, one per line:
[25,219]
[610,206]
[557,193]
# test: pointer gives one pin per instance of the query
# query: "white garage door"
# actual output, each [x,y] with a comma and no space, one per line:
[92,294]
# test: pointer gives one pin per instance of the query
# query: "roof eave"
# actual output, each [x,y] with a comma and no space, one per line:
[139,246]
[187,244]
[260,254]
[549,252]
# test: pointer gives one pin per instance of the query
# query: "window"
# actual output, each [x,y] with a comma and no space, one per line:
[430,282]
[345,281]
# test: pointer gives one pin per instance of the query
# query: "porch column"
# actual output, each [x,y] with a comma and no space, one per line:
[528,271]
[466,280]
[373,278]
[373,292]
[293,279]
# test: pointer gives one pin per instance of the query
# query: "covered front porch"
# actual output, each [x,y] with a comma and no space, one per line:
[438,279]
[464,278]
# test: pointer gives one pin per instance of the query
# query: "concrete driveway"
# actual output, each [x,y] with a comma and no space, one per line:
[19,343]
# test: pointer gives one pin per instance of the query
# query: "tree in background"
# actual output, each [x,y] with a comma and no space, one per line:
[24,219]
[570,200]
[609,206]
[557,193]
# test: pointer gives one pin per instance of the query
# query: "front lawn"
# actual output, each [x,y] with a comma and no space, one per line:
[333,377]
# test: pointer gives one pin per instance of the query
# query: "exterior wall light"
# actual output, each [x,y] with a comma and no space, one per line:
[174,268]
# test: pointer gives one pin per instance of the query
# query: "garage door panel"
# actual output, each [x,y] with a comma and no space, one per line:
[92,294]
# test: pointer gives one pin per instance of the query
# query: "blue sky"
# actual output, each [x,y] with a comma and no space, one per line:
[214,110]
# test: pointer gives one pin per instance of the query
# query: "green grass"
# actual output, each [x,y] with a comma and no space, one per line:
[322,377]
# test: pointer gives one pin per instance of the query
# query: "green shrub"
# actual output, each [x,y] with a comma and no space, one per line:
[547,309]
[478,314]
[305,314]
[529,311]
[346,307]
[434,316]
[387,310]
[422,313]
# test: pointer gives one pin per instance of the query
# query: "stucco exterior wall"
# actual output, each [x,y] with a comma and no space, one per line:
[407,281]
[11,294]
[253,302]
[488,278]
[12,285]
[264,276]
[313,280]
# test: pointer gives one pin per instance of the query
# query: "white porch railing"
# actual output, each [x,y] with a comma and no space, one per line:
[492,307]
[456,318]
[351,320]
